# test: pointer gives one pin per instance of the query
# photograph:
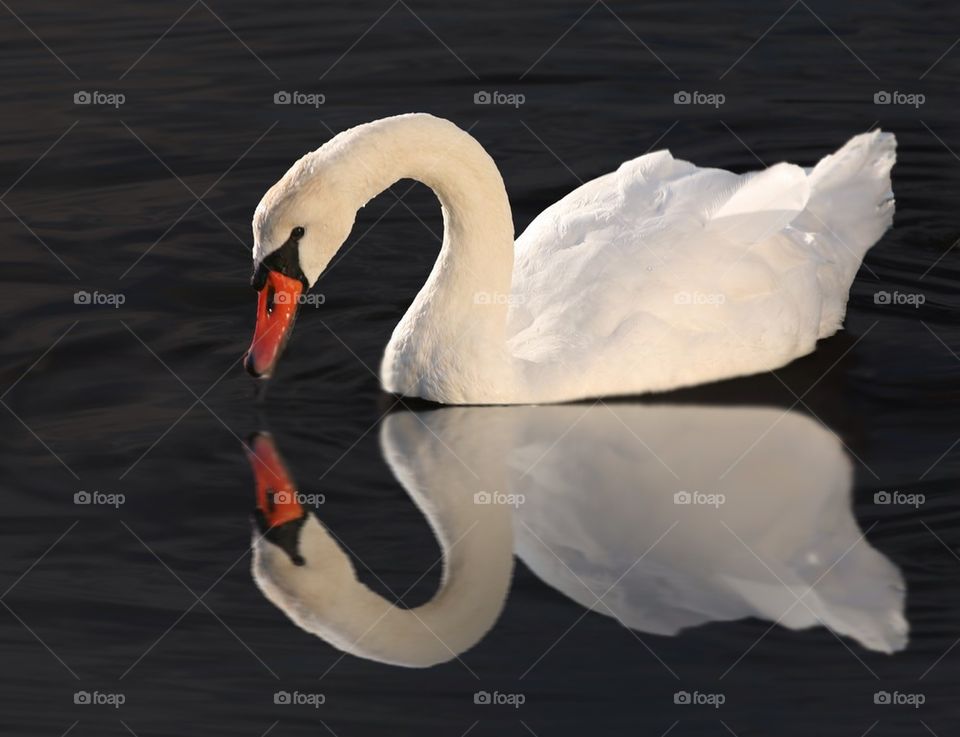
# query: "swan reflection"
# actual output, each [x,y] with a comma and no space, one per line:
[662,516]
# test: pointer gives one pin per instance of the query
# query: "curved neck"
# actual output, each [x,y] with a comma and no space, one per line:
[456,325]
[325,597]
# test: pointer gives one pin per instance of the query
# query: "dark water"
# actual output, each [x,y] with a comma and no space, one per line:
[148,400]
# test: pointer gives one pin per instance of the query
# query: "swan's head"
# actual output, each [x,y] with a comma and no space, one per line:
[279,515]
[299,225]
[296,563]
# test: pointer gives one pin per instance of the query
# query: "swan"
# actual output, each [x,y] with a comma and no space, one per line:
[492,482]
[656,276]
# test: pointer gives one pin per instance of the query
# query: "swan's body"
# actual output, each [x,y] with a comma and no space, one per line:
[779,543]
[590,495]
[656,276]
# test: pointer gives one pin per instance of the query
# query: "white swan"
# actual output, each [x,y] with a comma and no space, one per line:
[595,517]
[655,276]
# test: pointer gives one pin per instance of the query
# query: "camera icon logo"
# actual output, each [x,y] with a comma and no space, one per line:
[482,497]
[882,98]
[682,98]
[283,497]
[82,497]
[482,98]
[681,697]
[282,697]
[881,298]
[881,497]
[82,98]
[881,697]
[481,697]
[81,697]
[81,298]
[282,98]
[682,497]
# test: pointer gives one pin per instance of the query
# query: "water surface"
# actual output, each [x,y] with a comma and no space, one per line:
[148,400]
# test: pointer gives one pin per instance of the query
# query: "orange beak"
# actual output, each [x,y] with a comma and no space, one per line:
[276,494]
[277,304]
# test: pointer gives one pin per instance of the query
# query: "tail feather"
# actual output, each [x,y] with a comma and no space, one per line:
[851,206]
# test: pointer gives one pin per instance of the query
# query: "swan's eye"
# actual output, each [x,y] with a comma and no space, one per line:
[296,234]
